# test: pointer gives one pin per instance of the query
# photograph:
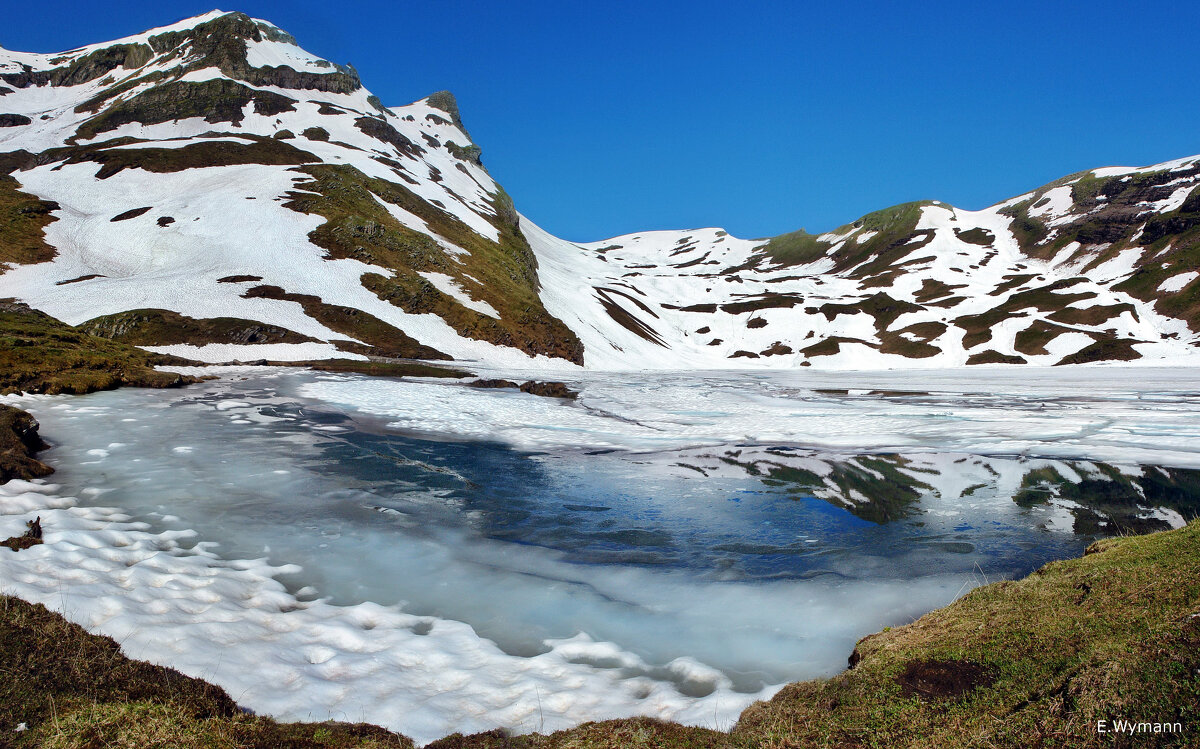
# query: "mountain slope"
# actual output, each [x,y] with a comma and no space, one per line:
[212,171]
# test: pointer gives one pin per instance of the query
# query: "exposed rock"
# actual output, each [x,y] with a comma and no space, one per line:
[31,537]
[19,443]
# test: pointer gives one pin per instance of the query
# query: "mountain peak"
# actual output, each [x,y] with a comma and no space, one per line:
[445,101]
[244,49]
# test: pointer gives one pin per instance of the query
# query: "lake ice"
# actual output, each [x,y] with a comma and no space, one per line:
[438,558]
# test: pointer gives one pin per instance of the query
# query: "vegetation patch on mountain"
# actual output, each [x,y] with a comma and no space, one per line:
[1108,348]
[1032,340]
[794,248]
[831,346]
[501,273]
[381,339]
[883,308]
[1098,314]
[23,220]
[913,341]
[933,290]
[39,354]
[978,236]
[1047,299]
[764,301]
[216,100]
[160,327]
[199,155]
[991,356]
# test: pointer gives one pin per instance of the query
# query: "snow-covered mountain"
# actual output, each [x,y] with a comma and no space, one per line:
[212,190]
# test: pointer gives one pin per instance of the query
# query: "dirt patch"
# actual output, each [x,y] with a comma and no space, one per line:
[88,277]
[777,349]
[991,356]
[943,678]
[133,213]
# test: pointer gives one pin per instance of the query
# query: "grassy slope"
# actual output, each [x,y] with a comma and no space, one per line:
[39,354]
[1034,662]
[357,226]
[22,220]
[160,327]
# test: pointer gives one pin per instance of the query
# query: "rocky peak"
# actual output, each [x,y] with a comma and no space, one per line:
[242,48]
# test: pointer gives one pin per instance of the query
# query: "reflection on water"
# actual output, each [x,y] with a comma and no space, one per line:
[756,512]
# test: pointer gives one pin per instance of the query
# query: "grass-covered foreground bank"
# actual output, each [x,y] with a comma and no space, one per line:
[1112,636]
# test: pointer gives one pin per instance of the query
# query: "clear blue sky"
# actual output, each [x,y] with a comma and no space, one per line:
[613,117]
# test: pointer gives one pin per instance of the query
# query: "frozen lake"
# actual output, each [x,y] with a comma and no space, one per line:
[436,558]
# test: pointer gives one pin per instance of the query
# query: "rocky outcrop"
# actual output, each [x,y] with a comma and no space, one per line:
[19,443]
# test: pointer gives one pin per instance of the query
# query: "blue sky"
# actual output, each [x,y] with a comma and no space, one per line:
[761,117]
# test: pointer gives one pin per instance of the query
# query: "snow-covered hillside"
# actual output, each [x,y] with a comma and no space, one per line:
[214,171]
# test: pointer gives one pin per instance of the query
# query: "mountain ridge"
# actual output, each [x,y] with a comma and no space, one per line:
[138,176]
